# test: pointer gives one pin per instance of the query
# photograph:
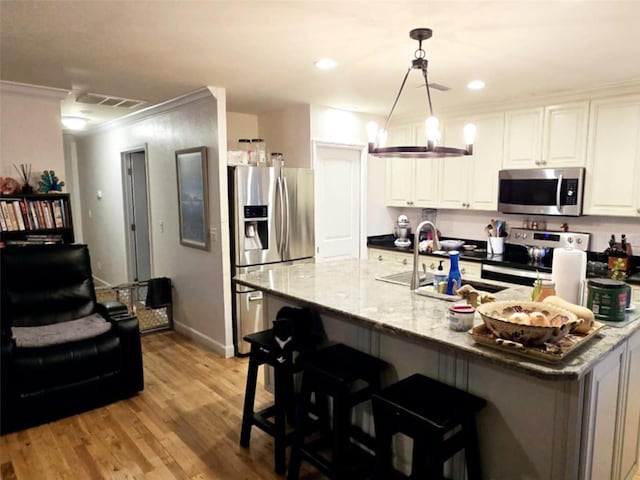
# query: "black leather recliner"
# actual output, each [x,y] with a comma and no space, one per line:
[44,285]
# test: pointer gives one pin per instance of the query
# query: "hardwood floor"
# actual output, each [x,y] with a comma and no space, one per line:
[185,425]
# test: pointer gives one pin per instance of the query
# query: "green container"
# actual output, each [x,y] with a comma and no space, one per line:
[607,299]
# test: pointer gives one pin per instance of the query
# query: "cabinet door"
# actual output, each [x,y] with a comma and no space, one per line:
[565,135]
[485,162]
[523,138]
[399,183]
[613,158]
[631,418]
[426,182]
[400,171]
[603,414]
[472,181]
[454,171]
[427,176]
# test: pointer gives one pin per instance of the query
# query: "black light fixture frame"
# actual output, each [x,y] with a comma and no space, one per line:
[430,150]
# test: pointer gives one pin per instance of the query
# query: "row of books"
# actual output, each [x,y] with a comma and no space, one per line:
[16,215]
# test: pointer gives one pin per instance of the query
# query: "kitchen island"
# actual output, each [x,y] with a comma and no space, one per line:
[578,419]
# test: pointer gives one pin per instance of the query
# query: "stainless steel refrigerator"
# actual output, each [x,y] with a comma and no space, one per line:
[271,219]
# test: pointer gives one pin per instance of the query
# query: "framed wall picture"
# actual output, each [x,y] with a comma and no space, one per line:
[193,197]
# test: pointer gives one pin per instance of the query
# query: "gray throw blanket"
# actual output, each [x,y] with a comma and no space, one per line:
[63,332]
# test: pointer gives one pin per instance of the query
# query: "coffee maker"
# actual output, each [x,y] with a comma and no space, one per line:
[402,232]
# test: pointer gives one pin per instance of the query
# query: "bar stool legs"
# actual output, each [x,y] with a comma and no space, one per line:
[440,419]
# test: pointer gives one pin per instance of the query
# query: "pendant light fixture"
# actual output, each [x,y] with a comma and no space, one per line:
[431,149]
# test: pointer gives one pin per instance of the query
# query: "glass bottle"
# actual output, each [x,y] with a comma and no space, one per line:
[547,289]
[259,148]
[454,272]
[244,145]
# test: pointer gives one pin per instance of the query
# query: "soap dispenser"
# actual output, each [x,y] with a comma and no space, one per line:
[440,279]
[454,272]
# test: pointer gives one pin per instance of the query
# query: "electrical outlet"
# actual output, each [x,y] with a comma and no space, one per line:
[214,234]
[90,213]
[161,227]
[99,265]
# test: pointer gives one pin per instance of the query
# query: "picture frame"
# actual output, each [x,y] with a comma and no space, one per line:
[193,197]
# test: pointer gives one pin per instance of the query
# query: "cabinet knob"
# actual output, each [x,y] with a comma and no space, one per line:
[380,257]
[462,271]
[638,210]
[432,266]
[404,261]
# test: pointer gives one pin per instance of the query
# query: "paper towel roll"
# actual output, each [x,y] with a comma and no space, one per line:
[568,271]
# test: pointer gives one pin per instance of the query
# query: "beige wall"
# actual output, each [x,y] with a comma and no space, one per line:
[30,130]
[201,278]
[288,131]
[240,125]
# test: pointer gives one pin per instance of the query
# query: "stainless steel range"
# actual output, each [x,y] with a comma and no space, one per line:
[529,254]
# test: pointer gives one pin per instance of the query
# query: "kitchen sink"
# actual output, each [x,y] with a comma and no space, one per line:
[485,287]
[404,278]
[428,290]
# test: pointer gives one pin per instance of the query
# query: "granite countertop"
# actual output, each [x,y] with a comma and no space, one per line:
[349,288]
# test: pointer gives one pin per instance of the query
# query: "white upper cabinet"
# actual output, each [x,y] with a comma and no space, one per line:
[471,182]
[410,182]
[523,138]
[613,158]
[547,137]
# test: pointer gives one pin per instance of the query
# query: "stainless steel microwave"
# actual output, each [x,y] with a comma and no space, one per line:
[542,191]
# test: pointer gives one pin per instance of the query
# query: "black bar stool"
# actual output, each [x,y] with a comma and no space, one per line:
[282,347]
[426,410]
[349,377]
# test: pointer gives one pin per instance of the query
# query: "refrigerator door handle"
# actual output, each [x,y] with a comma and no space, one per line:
[287,216]
[279,216]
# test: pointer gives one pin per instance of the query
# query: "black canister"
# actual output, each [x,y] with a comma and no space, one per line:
[607,299]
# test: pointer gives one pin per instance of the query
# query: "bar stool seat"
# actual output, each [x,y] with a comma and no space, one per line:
[439,418]
[349,377]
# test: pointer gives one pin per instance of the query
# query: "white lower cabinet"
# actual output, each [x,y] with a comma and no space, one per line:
[630,419]
[613,158]
[389,256]
[612,414]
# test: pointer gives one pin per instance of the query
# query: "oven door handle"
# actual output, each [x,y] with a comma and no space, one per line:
[558,192]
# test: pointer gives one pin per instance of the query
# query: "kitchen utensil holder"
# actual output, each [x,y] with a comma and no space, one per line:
[496,245]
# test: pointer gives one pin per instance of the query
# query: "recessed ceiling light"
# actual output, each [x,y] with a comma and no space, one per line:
[475,85]
[326,64]
[74,123]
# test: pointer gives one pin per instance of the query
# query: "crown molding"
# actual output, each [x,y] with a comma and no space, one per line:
[33,90]
[153,110]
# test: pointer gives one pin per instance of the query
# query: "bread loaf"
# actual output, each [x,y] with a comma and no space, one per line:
[581,312]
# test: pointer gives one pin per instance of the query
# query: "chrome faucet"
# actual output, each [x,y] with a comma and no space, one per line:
[415,278]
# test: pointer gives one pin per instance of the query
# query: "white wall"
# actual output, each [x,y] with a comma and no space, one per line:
[288,131]
[201,278]
[30,130]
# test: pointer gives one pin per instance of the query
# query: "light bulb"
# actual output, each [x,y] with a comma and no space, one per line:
[469,133]
[432,126]
[372,131]
[382,138]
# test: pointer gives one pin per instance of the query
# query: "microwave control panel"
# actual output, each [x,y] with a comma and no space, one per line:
[569,191]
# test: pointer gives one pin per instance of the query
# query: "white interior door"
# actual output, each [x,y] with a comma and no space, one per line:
[338,202]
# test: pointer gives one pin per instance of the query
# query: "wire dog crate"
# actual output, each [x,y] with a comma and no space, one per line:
[150,301]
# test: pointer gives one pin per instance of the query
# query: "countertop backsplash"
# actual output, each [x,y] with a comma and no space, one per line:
[471,225]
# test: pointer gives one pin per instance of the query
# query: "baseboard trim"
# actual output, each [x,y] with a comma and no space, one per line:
[225,351]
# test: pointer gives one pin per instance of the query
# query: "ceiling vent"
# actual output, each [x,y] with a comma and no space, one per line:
[108,100]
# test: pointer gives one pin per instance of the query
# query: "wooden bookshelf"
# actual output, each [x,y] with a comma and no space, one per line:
[35,219]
